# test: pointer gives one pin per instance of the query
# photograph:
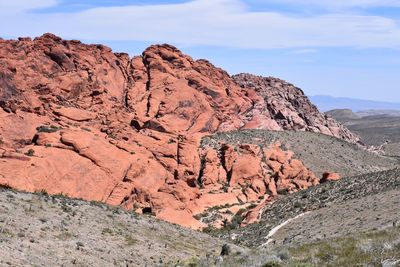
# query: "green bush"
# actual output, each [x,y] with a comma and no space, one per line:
[272,264]
[30,152]
[46,129]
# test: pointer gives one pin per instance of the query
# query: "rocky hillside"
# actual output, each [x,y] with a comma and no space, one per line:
[319,152]
[81,120]
[343,115]
[324,156]
[358,203]
[36,227]
[378,128]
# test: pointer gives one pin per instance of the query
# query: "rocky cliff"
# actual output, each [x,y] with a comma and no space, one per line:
[290,108]
[81,120]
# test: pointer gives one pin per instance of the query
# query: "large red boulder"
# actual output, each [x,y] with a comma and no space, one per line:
[330,176]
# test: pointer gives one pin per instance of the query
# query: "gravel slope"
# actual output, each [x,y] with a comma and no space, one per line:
[39,230]
[374,129]
[328,198]
[374,212]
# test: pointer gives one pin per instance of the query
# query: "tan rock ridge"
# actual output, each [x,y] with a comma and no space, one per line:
[81,120]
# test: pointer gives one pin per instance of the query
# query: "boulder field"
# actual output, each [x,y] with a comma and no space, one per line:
[82,121]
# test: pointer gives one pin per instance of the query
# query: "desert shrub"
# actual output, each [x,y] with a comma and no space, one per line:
[226,250]
[252,206]
[209,229]
[96,203]
[42,192]
[272,264]
[107,231]
[30,152]
[61,195]
[65,207]
[112,136]
[47,129]
[362,249]
[284,254]
[5,186]
[130,241]
[298,205]
[237,219]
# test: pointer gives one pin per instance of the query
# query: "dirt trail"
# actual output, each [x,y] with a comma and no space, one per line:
[375,212]
[278,227]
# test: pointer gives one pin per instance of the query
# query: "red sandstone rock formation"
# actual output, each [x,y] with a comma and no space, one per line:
[83,121]
[329,176]
[290,108]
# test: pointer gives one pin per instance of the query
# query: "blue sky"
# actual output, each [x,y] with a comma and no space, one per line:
[347,48]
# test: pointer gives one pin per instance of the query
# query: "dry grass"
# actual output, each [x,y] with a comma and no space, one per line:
[375,248]
[366,249]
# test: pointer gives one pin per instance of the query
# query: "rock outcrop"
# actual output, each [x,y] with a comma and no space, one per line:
[290,108]
[328,177]
[81,120]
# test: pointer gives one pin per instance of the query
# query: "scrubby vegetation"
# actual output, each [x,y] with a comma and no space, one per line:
[47,129]
[374,248]
[329,194]
[36,227]
[30,152]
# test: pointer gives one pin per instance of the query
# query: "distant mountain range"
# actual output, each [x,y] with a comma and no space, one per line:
[326,103]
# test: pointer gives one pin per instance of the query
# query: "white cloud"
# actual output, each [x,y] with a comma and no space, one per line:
[340,4]
[303,51]
[19,6]
[209,22]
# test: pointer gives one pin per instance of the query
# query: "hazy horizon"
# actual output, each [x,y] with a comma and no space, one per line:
[327,103]
[352,98]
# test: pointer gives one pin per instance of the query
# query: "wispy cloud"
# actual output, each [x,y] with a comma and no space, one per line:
[227,23]
[340,4]
[20,6]
[303,51]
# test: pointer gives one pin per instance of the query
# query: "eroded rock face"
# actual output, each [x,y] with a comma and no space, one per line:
[83,121]
[290,108]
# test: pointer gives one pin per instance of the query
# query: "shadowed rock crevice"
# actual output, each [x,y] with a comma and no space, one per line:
[61,59]
[148,72]
[123,179]
[128,84]
[222,158]
[7,92]
[201,171]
